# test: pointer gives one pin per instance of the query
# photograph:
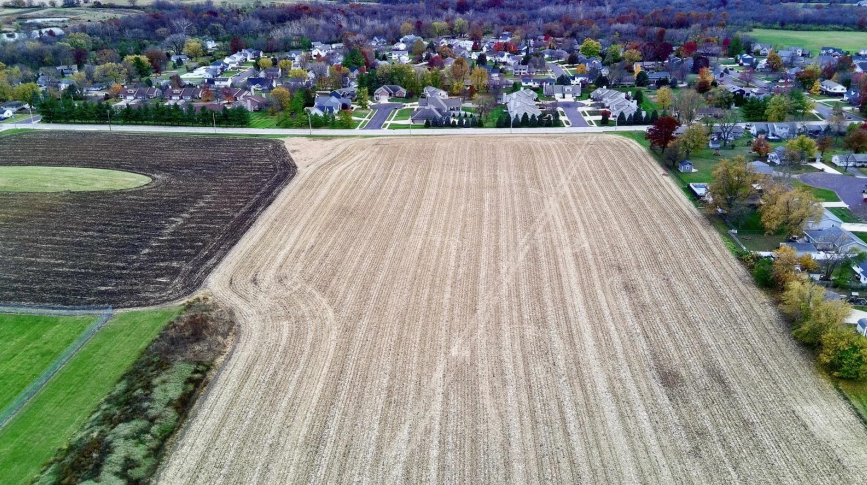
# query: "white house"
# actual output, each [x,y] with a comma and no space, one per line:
[861,327]
[832,88]
[850,160]
[6,114]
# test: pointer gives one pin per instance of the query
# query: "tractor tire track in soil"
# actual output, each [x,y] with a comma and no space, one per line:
[504,310]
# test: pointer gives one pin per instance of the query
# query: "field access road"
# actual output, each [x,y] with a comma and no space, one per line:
[571,109]
[383,111]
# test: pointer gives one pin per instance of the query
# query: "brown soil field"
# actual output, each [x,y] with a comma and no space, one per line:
[504,310]
[134,247]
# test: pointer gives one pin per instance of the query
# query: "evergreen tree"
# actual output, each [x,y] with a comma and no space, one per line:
[427,123]
[621,119]
[653,117]
[525,120]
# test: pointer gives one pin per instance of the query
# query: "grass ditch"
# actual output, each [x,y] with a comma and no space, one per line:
[125,438]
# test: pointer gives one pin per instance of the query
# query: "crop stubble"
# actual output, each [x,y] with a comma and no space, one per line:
[504,310]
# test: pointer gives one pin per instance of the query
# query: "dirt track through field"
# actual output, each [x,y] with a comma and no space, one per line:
[504,310]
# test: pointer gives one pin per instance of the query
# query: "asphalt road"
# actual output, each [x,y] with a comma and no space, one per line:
[571,109]
[826,112]
[848,188]
[556,69]
[380,115]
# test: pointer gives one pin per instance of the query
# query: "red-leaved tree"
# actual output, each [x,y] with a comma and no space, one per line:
[661,133]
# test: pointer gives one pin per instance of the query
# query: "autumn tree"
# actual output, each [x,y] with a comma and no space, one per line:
[459,70]
[733,185]
[844,353]
[856,140]
[282,97]
[111,72]
[774,61]
[590,48]
[800,298]
[816,89]
[285,65]
[661,133]
[788,210]
[801,148]
[664,98]
[761,147]
[824,143]
[115,90]
[265,63]
[193,49]
[778,108]
[694,138]
[479,79]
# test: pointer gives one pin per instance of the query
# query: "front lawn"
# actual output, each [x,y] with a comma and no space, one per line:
[824,195]
[261,119]
[402,114]
[845,215]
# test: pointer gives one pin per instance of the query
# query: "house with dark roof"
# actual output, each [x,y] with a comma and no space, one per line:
[435,107]
[383,93]
[329,105]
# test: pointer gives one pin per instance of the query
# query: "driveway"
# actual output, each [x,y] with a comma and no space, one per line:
[826,111]
[571,109]
[383,110]
[847,187]
[556,69]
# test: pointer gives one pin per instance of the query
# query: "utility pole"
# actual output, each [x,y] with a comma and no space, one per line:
[214,119]
[309,123]
[109,118]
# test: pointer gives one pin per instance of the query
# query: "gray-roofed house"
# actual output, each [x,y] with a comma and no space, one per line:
[520,103]
[435,107]
[383,93]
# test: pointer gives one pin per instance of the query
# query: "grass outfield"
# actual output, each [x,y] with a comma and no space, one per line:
[28,344]
[810,39]
[61,179]
[47,422]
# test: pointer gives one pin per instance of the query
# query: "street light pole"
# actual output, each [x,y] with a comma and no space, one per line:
[214,119]
[109,118]
[309,123]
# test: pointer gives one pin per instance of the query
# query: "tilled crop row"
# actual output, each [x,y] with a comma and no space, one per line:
[134,247]
[504,310]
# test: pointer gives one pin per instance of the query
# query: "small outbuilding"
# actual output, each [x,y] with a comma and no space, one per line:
[861,327]
[685,166]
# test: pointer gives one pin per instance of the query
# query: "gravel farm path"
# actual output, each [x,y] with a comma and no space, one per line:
[504,310]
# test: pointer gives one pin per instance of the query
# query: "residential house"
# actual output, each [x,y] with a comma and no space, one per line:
[6,113]
[260,84]
[432,92]
[66,70]
[179,58]
[615,101]
[861,326]
[831,88]
[383,93]
[762,49]
[852,96]
[520,103]
[349,93]
[832,51]
[274,73]
[850,160]
[436,107]
[529,82]
[566,93]
[329,105]
[14,106]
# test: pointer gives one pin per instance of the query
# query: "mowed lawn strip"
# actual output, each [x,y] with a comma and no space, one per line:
[28,344]
[811,39]
[47,422]
[60,179]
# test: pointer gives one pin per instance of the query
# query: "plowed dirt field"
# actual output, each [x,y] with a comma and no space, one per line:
[504,310]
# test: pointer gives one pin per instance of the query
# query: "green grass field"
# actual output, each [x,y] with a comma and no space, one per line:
[810,39]
[60,408]
[61,179]
[28,344]
[261,119]
[402,114]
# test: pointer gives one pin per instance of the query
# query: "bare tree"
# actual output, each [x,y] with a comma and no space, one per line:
[727,124]
[182,25]
[686,105]
[175,43]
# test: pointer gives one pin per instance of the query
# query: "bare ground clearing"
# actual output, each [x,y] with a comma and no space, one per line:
[504,310]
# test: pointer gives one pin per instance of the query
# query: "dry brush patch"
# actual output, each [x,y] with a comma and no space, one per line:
[504,310]
[141,246]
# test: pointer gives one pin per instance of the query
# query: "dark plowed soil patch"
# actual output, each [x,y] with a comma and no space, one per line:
[132,247]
